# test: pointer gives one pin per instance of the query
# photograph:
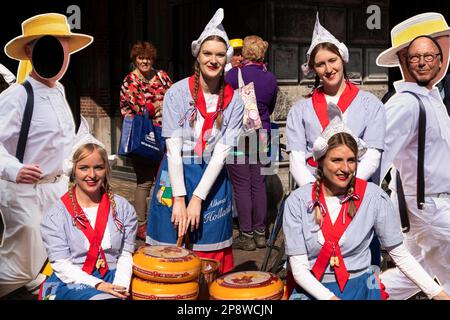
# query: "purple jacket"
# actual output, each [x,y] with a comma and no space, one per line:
[265,88]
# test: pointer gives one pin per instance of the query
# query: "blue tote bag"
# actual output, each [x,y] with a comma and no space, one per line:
[140,137]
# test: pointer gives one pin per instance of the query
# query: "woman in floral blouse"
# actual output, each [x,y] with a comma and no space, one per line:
[144,87]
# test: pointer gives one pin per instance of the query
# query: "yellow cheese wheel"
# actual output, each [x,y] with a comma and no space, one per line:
[166,264]
[247,285]
[147,290]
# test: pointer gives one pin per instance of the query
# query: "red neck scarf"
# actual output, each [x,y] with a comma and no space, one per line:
[94,236]
[320,103]
[333,232]
[209,117]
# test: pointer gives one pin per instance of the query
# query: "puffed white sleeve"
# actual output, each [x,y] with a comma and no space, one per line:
[12,104]
[414,271]
[402,113]
[175,165]
[369,164]
[304,278]
[298,168]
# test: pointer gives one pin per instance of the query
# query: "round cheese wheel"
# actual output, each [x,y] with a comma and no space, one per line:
[147,290]
[247,285]
[166,264]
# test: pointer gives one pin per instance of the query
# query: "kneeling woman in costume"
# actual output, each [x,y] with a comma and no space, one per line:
[329,225]
[202,119]
[89,233]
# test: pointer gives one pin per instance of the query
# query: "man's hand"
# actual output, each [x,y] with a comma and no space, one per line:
[29,173]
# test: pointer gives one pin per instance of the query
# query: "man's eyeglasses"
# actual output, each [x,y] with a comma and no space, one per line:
[428,57]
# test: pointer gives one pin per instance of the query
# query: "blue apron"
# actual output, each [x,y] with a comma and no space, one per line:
[363,287]
[55,288]
[215,229]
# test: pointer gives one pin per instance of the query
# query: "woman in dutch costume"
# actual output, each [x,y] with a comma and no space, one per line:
[329,224]
[89,234]
[202,118]
[362,112]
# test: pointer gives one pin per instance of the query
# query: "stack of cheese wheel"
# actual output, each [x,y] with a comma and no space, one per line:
[247,285]
[165,273]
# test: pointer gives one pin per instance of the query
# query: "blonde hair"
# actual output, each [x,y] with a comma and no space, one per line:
[81,153]
[341,138]
[254,48]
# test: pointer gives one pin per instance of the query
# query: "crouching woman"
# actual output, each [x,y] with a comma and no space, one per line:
[328,227]
[90,233]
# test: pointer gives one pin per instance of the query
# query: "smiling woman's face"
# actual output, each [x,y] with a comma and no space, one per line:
[90,174]
[329,67]
[338,166]
[212,58]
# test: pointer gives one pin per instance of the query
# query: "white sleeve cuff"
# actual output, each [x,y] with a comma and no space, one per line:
[9,165]
[370,162]
[298,168]
[215,165]
[175,164]
[414,271]
[12,171]
[67,272]
[304,278]
[124,270]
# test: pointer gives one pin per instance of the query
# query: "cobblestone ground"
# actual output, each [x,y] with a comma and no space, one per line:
[243,260]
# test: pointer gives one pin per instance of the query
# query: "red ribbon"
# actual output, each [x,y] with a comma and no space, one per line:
[209,117]
[320,103]
[332,234]
[94,236]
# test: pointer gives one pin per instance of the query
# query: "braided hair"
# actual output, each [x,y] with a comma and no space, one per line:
[317,213]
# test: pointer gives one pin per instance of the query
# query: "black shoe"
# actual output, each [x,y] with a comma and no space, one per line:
[244,241]
[260,238]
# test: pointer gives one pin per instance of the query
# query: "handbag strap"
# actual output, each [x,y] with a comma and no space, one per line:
[26,121]
[240,79]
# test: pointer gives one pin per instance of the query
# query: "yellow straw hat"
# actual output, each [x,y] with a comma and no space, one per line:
[431,24]
[47,24]
[237,43]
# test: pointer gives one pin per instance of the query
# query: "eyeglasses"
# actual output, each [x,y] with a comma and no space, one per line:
[428,57]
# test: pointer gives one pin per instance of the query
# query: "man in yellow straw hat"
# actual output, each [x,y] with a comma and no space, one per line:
[420,47]
[32,155]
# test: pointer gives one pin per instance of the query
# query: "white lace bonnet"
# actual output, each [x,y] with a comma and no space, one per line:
[213,28]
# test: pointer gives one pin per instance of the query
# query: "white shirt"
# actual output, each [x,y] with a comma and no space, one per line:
[91,214]
[52,129]
[402,113]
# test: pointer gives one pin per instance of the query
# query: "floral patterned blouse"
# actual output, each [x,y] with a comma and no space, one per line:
[137,90]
